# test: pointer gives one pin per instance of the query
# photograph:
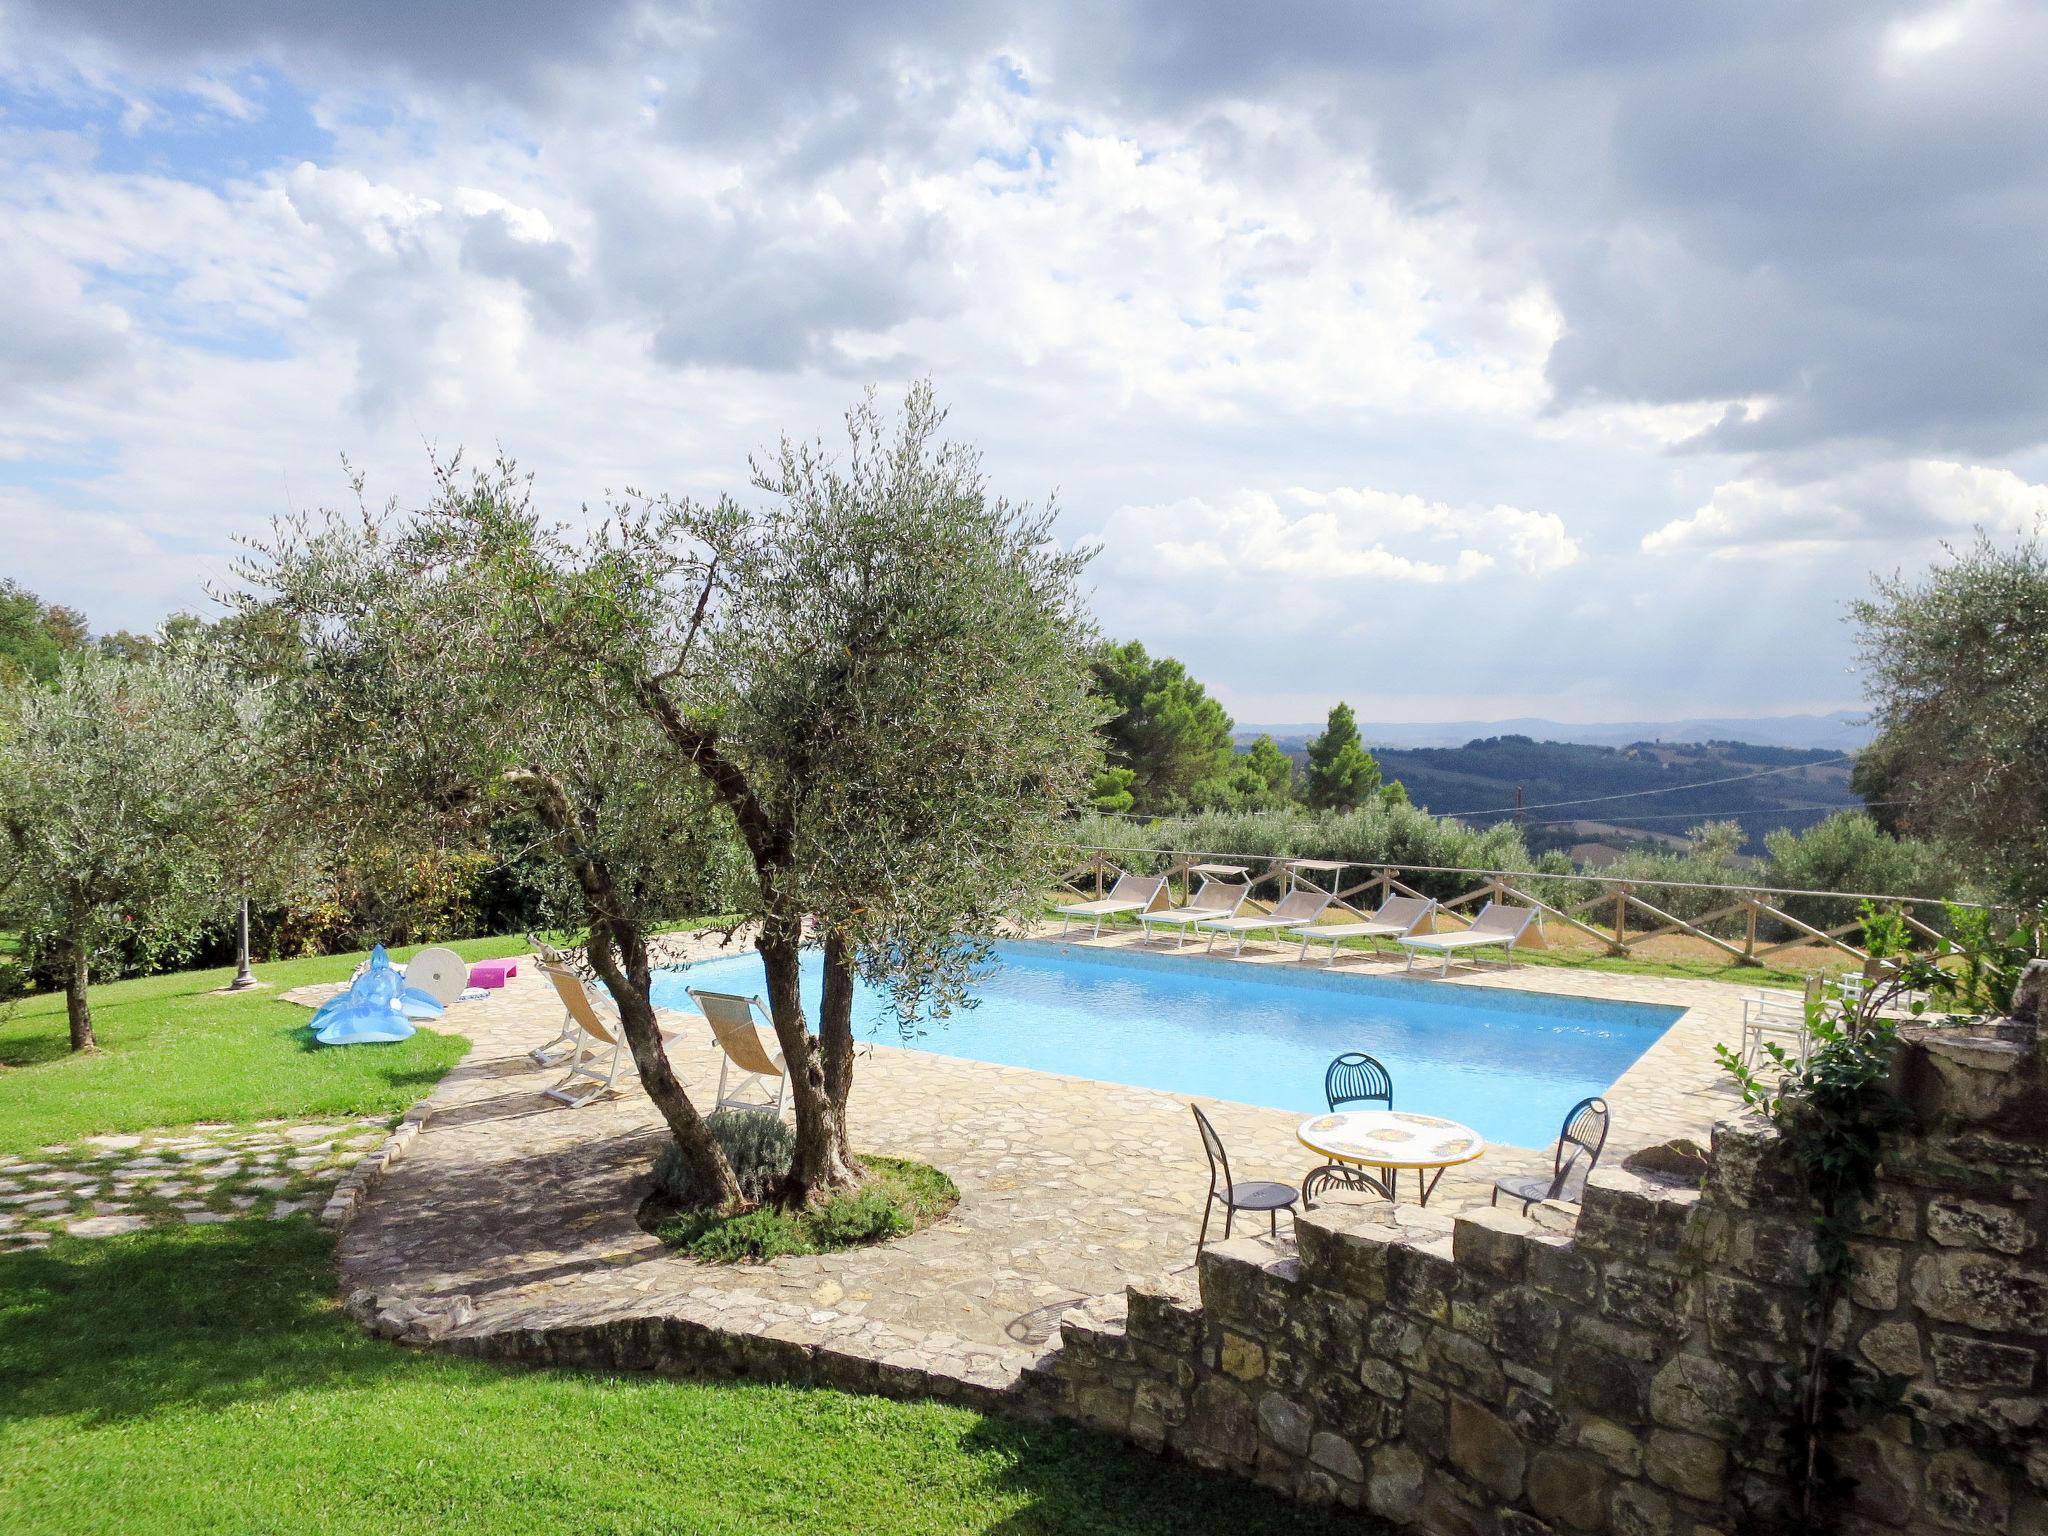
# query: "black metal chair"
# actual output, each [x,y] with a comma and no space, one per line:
[1356,1078]
[1252,1195]
[1578,1150]
[1342,1176]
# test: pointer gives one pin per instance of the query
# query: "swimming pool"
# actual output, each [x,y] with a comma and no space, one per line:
[1509,1064]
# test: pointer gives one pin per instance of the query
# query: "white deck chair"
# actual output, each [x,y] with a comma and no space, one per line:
[595,1019]
[1297,909]
[1772,1014]
[1130,895]
[1397,917]
[740,1045]
[440,973]
[1496,926]
[1213,899]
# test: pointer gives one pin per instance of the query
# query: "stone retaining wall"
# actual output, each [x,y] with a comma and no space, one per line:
[1630,1371]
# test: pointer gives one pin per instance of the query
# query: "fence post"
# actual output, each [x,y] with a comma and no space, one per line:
[1749,930]
[1097,861]
[1620,919]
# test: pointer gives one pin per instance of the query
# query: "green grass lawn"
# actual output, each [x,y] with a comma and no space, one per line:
[174,1049]
[202,1379]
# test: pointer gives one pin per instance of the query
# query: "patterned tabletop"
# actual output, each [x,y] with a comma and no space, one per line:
[1391,1138]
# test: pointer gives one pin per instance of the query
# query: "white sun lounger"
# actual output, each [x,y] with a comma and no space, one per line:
[594,1018]
[742,1045]
[1213,899]
[1297,909]
[1496,926]
[1131,895]
[1397,917]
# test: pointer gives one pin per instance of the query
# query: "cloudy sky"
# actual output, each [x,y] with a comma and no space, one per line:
[1459,360]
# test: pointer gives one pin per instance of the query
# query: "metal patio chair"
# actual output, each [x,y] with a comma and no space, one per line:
[1352,1078]
[1252,1195]
[1578,1149]
[1356,1078]
[1358,1181]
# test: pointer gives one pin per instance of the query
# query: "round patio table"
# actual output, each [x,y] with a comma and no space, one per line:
[1393,1139]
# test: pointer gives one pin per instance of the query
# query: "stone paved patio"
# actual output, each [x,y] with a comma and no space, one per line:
[512,1217]
[104,1186]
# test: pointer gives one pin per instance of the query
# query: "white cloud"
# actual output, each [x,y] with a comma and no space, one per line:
[1895,503]
[1319,538]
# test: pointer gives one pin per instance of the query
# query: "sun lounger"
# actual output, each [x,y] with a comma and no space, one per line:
[1130,895]
[1397,917]
[742,1045]
[1496,926]
[1212,900]
[1296,909]
[594,1018]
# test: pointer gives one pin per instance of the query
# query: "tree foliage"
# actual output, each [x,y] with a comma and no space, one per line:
[1342,775]
[121,789]
[1165,728]
[875,684]
[1262,777]
[1956,666]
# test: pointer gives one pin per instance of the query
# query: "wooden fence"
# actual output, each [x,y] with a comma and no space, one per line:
[1617,915]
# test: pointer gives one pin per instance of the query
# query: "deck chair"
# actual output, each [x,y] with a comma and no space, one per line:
[1297,909]
[1131,894]
[594,1019]
[1213,899]
[740,1046]
[1496,926]
[1397,917]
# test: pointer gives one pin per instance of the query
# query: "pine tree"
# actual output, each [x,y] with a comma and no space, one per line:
[1341,773]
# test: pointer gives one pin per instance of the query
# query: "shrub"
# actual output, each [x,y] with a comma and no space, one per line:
[759,1146]
[900,1198]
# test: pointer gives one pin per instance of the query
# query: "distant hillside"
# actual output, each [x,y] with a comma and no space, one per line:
[1837,732]
[1477,781]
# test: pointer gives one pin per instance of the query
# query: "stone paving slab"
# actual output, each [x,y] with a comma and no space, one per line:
[512,1216]
[107,1186]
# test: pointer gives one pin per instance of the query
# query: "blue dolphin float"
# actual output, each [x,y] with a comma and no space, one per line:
[378,1007]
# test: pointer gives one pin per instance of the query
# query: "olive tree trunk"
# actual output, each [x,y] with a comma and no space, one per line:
[618,953]
[76,1006]
[820,1164]
[835,1034]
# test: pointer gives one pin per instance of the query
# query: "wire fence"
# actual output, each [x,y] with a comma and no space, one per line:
[1747,924]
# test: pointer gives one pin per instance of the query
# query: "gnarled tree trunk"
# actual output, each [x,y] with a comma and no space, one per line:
[618,953]
[820,1165]
[835,1034]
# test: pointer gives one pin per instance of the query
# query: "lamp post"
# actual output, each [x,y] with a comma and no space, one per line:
[245,978]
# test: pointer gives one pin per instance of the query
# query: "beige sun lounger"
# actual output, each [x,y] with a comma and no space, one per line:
[1296,909]
[1496,926]
[1397,917]
[1131,894]
[1212,900]
[741,1045]
[593,1019]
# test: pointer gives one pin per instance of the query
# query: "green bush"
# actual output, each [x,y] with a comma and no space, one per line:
[900,1197]
[1378,832]
[759,1146]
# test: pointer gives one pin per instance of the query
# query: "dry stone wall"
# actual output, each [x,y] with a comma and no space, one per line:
[1631,1367]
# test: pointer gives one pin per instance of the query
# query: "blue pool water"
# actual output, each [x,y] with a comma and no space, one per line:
[1509,1064]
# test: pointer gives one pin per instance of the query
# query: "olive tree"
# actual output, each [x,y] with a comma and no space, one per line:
[875,682]
[114,780]
[898,665]
[1956,666]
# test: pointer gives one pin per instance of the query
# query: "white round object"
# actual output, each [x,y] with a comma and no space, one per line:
[440,973]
